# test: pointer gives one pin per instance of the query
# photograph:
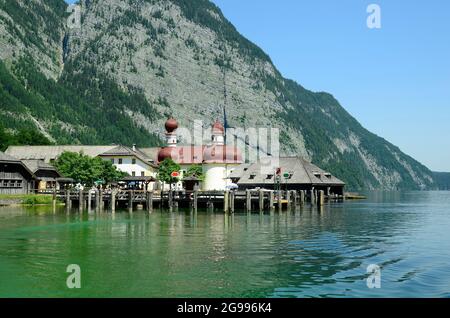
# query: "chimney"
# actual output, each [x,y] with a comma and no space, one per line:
[134,147]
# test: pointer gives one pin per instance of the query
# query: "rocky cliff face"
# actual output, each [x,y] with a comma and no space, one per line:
[134,62]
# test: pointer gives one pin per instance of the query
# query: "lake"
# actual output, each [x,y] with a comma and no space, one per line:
[303,253]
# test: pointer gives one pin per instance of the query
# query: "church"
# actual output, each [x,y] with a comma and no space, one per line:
[217,159]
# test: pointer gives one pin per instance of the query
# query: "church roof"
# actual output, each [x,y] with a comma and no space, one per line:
[208,154]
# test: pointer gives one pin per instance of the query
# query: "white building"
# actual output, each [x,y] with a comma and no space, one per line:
[217,160]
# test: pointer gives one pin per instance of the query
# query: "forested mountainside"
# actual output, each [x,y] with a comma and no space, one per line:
[135,62]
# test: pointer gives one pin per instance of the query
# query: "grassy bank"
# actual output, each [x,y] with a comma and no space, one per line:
[27,199]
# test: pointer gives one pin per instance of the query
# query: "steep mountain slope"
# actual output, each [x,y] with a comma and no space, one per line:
[134,62]
[442,180]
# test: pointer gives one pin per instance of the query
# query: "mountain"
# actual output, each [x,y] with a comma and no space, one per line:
[135,62]
[442,180]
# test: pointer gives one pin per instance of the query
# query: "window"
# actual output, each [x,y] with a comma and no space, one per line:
[113,161]
[133,161]
[120,161]
[269,176]
[133,173]
[11,183]
[252,176]
[142,174]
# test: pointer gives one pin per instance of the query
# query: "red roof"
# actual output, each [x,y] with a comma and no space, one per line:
[218,128]
[171,125]
[201,154]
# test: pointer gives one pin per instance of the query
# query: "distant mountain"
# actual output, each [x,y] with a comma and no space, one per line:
[135,62]
[442,180]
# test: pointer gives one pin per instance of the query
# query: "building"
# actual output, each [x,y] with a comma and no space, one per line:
[131,161]
[45,175]
[15,177]
[49,154]
[217,159]
[294,173]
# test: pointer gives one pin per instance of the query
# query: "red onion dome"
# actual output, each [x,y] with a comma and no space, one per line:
[218,128]
[171,125]
[167,152]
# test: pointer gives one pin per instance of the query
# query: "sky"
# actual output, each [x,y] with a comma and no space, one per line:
[394,80]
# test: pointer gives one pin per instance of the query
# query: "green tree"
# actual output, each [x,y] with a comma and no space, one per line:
[25,136]
[165,170]
[85,169]
[195,171]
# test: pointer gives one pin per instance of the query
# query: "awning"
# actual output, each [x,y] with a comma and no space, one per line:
[138,179]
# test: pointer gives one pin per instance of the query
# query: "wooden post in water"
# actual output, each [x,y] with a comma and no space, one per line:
[288,198]
[271,200]
[248,200]
[232,193]
[226,201]
[321,200]
[195,200]
[130,201]
[54,200]
[150,201]
[97,199]
[113,201]
[295,198]
[101,203]
[312,197]
[280,202]
[210,202]
[302,197]
[68,202]
[89,203]
[80,197]
[261,200]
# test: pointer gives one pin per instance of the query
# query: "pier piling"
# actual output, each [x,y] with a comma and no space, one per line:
[321,200]
[130,201]
[80,200]
[89,203]
[113,201]
[226,201]
[150,201]
[261,200]
[232,201]
[271,200]
[68,202]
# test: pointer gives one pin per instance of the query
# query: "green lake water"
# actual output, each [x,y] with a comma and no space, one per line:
[302,253]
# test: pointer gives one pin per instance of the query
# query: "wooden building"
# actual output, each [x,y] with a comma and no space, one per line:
[15,177]
[45,175]
[292,173]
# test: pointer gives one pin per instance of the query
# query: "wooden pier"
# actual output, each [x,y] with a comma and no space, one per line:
[229,201]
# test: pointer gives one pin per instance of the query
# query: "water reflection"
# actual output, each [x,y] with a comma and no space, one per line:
[307,251]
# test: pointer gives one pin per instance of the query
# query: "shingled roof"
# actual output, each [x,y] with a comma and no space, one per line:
[127,151]
[47,153]
[7,158]
[36,165]
[300,170]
